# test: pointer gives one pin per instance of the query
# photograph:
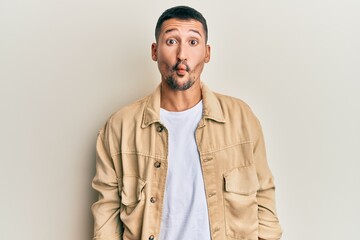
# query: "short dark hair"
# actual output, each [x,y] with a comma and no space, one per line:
[183,13]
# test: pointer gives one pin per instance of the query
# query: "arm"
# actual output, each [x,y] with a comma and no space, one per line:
[107,224]
[269,227]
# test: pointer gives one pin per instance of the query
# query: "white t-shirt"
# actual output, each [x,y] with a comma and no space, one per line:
[185,214]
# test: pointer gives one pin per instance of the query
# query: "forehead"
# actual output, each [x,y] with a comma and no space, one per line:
[181,25]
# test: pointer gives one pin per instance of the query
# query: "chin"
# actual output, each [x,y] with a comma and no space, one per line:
[175,84]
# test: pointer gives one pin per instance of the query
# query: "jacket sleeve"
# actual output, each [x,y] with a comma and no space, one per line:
[269,227]
[107,224]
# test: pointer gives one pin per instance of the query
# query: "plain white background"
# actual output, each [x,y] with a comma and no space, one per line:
[65,66]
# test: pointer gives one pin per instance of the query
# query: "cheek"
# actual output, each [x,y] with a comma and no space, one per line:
[166,55]
[164,66]
[198,68]
[199,62]
[164,63]
[198,58]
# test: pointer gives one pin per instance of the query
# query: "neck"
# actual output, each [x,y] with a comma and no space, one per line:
[176,101]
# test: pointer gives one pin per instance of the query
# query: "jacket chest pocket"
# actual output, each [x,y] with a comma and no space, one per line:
[132,205]
[240,204]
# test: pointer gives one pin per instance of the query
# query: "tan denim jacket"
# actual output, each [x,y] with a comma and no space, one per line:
[131,170]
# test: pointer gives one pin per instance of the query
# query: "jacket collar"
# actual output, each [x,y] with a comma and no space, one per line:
[211,107]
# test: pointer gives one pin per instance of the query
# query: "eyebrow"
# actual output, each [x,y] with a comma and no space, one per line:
[174,29]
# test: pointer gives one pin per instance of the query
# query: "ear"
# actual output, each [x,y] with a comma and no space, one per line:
[154,51]
[207,53]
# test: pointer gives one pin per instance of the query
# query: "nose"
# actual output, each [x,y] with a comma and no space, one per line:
[181,52]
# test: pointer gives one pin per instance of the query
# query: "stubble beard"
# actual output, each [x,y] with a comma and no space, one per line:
[174,84]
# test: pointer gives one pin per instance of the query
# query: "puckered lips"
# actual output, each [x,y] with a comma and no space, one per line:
[181,69]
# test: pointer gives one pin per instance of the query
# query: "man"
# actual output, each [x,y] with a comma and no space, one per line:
[184,162]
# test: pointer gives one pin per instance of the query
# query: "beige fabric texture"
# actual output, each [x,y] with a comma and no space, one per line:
[131,171]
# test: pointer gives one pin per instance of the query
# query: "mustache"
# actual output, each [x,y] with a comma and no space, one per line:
[176,66]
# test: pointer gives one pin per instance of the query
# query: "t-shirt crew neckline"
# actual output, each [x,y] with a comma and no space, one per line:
[187,111]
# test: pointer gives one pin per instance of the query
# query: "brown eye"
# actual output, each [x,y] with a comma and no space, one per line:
[171,41]
[194,42]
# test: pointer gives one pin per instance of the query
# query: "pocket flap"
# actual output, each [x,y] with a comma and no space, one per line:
[131,190]
[242,180]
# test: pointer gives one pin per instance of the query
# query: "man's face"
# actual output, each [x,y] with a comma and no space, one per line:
[181,52]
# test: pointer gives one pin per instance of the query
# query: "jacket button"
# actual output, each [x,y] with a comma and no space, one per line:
[152,199]
[157,164]
[151,237]
[160,128]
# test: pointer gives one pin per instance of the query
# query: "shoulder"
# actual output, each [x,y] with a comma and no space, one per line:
[234,106]
[230,100]
[239,116]
[129,111]
[126,117]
